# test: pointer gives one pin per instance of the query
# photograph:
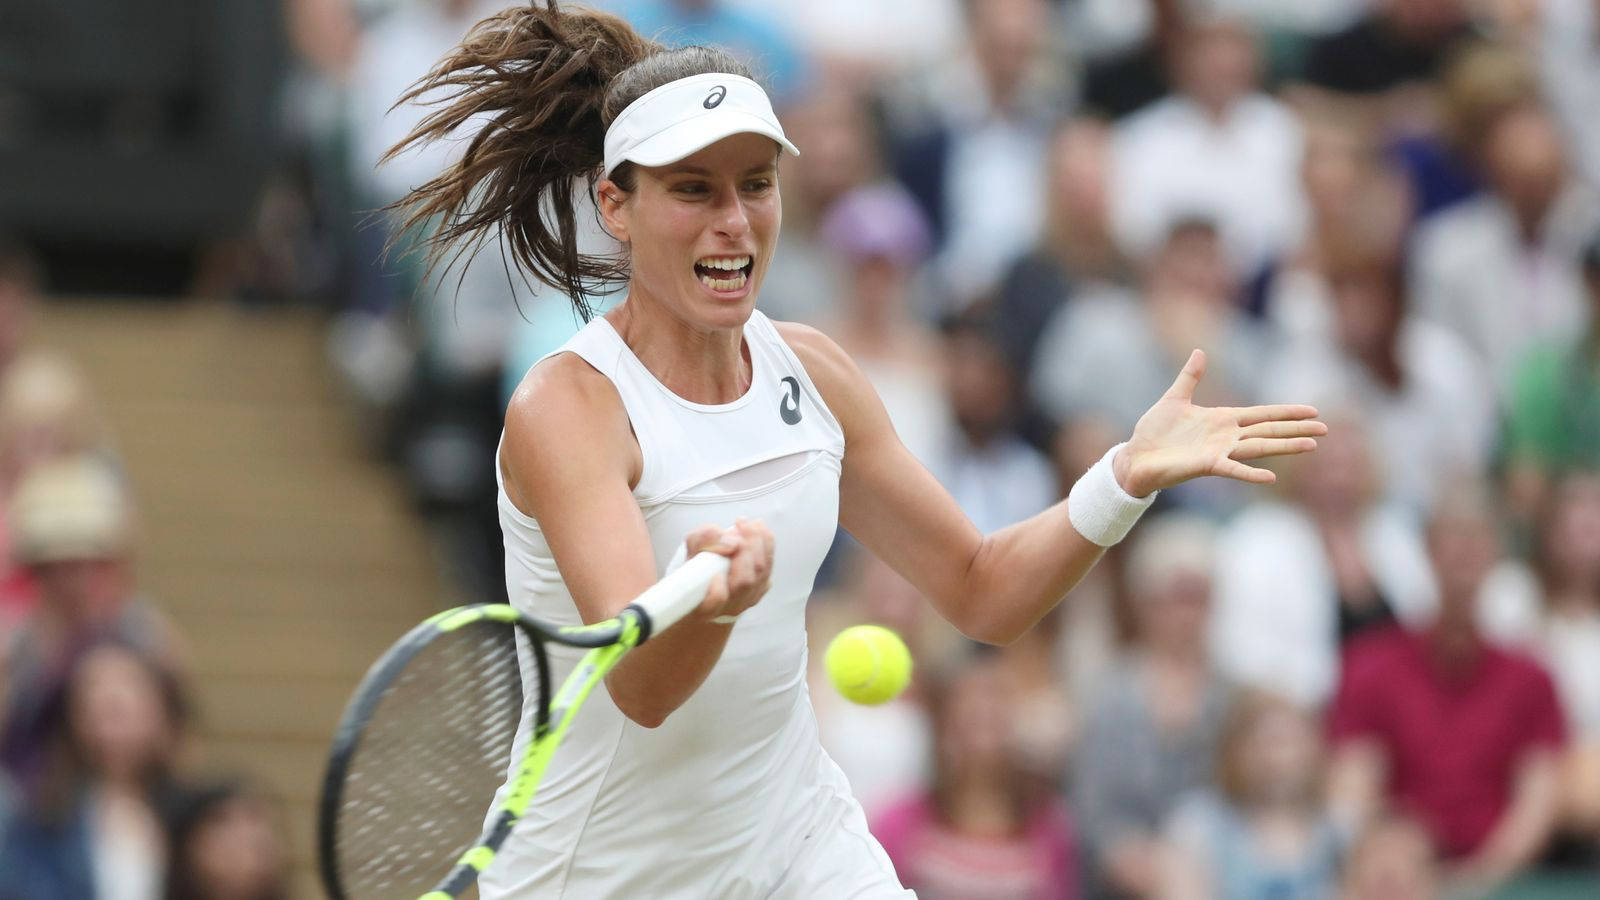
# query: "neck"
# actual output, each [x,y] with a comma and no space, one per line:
[122,785]
[1571,597]
[1215,109]
[1335,513]
[876,324]
[1530,214]
[976,806]
[1285,802]
[1177,652]
[980,435]
[1087,250]
[697,364]
[1455,637]
[1385,366]
[1002,91]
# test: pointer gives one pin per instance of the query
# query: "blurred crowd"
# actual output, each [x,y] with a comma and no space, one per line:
[97,798]
[1379,678]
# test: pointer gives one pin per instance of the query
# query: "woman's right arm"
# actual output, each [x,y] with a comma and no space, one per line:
[568,460]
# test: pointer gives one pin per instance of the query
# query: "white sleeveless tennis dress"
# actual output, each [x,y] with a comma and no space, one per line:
[732,797]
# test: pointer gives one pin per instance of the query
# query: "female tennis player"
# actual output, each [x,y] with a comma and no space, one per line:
[701,774]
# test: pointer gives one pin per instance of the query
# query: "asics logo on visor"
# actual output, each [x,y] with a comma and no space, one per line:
[715,99]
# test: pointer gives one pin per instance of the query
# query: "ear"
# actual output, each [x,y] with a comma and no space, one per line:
[612,201]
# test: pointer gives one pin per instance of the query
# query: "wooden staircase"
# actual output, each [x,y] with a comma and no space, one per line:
[284,554]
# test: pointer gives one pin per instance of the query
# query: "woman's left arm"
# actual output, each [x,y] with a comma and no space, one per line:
[993,588]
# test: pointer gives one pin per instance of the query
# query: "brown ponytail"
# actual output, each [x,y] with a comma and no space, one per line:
[544,84]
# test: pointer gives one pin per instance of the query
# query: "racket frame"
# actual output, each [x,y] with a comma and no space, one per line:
[659,607]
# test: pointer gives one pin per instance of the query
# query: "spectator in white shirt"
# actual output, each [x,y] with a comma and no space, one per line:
[805,282]
[1569,66]
[1330,560]
[1568,641]
[1102,356]
[1502,270]
[878,241]
[1417,385]
[992,109]
[1218,148]
[868,40]
[992,473]
[393,54]
[1296,581]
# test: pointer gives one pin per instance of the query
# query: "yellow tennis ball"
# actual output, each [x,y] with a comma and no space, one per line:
[869,664]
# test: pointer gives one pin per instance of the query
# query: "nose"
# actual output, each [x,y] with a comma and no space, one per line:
[731,219]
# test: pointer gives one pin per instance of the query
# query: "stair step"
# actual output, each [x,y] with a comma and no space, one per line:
[251,645]
[287,558]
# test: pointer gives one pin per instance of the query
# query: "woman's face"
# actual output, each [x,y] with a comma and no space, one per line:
[833,127]
[1464,548]
[1176,612]
[1335,479]
[1280,754]
[1332,167]
[701,231]
[974,734]
[1573,531]
[237,852]
[1081,161]
[119,717]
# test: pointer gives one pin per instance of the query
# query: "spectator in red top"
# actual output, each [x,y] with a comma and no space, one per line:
[983,832]
[1442,725]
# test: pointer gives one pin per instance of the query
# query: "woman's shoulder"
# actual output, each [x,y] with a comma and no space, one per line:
[558,384]
[811,345]
[843,384]
[564,402]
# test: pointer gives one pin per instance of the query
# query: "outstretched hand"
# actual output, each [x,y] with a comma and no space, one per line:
[1176,440]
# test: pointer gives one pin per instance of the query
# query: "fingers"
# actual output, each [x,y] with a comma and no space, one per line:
[1255,415]
[761,544]
[750,573]
[1238,471]
[712,538]
[1189,378]
[749,547]
[716,596]
[1285,429]
[1259,448]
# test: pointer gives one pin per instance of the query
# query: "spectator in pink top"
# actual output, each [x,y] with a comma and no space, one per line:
[1465,736]
[981,832]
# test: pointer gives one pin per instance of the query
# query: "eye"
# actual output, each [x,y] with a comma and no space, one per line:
[758,185]
[691,188]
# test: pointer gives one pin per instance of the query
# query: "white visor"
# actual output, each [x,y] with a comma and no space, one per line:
[685,116]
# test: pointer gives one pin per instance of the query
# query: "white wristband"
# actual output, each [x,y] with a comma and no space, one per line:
[1099,508]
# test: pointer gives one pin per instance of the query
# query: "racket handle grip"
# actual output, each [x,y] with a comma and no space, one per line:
[671,598]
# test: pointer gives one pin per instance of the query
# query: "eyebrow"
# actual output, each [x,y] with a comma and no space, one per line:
[707,173]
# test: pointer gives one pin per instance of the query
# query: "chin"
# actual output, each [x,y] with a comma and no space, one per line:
[730,314]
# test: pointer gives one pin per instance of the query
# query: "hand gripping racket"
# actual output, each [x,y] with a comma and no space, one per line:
[427,738]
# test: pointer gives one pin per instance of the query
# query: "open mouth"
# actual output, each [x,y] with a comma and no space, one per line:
[724,273]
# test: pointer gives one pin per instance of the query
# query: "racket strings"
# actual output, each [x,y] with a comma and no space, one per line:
[434,752]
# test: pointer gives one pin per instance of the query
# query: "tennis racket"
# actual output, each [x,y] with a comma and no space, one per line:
[427,738]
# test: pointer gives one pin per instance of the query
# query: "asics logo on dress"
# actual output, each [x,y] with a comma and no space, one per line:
[715,99]
[789,405]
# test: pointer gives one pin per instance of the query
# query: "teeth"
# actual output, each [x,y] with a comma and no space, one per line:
[725,262]
[724,284]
